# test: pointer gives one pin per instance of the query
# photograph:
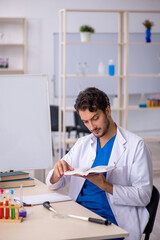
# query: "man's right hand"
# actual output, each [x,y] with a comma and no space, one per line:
[59,169]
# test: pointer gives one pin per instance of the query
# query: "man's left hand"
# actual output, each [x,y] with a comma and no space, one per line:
[100,181]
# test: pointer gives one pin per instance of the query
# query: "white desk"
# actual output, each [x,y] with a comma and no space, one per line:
[40,223]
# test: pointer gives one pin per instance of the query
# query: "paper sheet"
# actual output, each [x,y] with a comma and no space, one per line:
[39,199]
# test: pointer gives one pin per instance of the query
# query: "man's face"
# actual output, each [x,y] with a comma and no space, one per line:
[97,122]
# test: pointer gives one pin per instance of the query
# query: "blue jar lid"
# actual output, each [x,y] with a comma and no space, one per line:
[11,191]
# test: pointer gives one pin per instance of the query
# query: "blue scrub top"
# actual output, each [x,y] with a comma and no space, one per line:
[91,196]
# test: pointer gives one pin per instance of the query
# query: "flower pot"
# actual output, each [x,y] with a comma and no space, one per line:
[85,36]
[148,35]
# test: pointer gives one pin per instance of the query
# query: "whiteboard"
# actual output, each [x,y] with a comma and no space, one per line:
[25,132]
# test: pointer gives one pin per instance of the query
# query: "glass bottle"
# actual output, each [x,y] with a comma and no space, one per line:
[79,69]
[115,101]
[84,69]
[101,70]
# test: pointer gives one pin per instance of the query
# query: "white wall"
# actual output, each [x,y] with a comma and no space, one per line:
[42,17]
[43,20]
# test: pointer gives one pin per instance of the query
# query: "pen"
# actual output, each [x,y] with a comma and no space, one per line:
[27,205]
[95,220]
[24,204]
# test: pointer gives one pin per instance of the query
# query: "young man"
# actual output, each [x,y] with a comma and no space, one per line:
[122,194]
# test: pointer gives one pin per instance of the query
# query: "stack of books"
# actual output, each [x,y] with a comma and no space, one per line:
[15,179]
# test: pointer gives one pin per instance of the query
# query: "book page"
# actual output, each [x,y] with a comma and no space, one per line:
[83,172]
[39,199]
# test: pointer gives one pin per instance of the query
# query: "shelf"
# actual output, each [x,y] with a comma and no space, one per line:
[142,108]
[117,108]
[110,43]
[90,76]
[143,75]
[143,43]
[108,11]
[71,140]
[11,45]
[147,139]
[10,19]
[151,139]
[115,76]
[72,109]
[11,71]
[91,43]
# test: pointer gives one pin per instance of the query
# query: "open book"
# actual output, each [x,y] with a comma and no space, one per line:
[85,172]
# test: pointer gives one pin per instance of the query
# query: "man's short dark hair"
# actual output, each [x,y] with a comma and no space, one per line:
[92,99]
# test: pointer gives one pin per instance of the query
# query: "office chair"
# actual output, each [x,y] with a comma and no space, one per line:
[54,116]
[80,127]
[152,209]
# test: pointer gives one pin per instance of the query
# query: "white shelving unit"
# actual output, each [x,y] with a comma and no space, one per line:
[127,76]
[13,32]
[123,75]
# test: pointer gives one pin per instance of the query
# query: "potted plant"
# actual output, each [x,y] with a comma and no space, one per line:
[85,33]
[148,24]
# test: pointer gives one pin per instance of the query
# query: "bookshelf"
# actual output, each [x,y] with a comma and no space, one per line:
[123,75]
[13,33]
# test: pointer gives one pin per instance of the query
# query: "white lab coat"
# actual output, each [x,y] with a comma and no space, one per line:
[131,179]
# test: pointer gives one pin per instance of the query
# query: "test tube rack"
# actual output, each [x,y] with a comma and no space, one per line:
[17,219]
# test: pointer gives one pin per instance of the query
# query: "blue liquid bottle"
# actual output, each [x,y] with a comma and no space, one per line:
[111,68]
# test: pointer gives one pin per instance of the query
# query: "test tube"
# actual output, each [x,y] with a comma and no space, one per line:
[1,203]
[22,211]
[7,203]
[12,204]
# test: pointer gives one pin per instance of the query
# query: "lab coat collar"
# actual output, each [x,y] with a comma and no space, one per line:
[93,138]
[119,147]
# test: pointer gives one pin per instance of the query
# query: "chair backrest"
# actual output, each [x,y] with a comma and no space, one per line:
[79,123]
[152,209]
[54,117]
[54,113]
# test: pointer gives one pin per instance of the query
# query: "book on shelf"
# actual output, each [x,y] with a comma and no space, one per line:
[4,176]
[86,171]
[25,182]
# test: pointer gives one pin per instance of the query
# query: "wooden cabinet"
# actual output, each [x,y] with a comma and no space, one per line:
[13,33]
